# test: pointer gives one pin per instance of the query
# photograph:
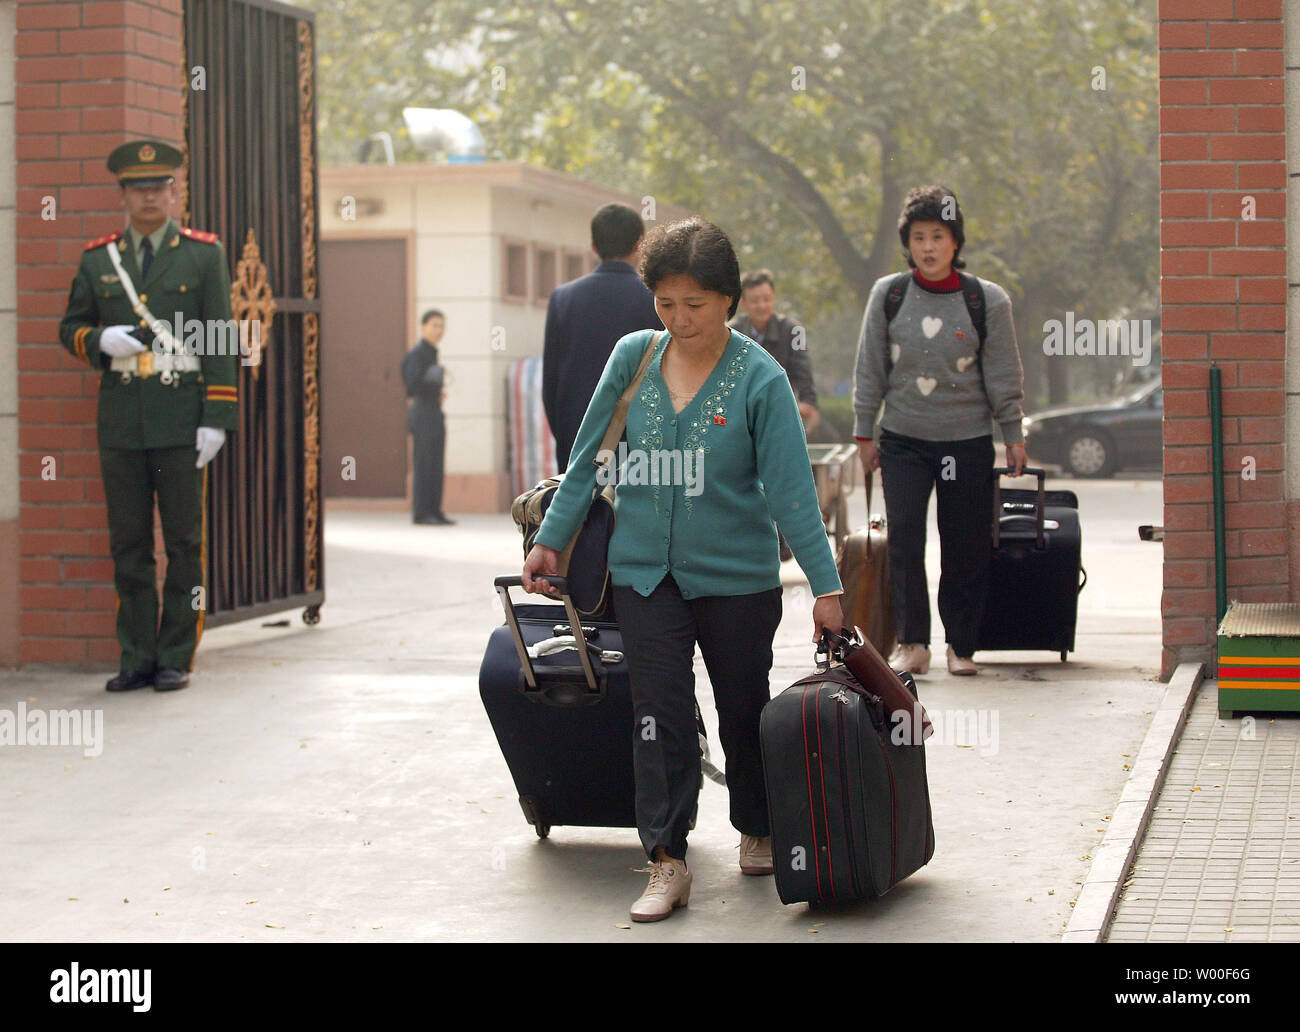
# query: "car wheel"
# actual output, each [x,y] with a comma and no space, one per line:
[1090,453]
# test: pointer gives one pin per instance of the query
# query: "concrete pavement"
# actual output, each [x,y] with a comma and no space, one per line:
[342,782]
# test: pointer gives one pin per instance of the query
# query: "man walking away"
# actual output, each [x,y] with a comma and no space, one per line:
[587,317]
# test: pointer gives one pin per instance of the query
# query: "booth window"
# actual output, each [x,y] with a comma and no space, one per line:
[514,271]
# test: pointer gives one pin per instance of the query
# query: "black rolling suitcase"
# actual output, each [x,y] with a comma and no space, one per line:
[563,719]
[1037,570]
[846,787]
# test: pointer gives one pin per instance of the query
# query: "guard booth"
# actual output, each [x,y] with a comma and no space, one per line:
[250,135]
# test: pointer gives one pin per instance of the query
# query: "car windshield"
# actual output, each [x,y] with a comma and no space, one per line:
[1136,394]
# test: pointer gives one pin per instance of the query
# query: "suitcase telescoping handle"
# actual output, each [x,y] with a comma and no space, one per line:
[1040,504]
[568,686]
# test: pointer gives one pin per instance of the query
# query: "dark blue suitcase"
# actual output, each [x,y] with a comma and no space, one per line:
[563,719]
[1036,572]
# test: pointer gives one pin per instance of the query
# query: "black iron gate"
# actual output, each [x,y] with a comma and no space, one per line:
[251,148]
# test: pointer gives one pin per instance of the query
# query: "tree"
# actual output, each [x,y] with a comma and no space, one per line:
[799,127]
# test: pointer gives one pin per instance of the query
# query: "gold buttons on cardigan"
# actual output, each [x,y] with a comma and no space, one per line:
[182,288]
[144,299]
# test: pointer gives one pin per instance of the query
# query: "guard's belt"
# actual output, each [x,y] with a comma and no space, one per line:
[149,363]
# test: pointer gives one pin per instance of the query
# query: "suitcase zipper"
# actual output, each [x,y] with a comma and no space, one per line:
[893,817]
[848,807]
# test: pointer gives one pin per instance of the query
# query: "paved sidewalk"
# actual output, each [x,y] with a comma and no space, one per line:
[342,782]
[1220,861]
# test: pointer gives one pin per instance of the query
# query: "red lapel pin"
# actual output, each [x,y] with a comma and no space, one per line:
[720,420]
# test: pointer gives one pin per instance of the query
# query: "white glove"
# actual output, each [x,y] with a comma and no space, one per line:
[117,342]
[207,444]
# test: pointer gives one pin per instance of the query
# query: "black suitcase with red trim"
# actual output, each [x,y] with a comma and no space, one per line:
[846,790]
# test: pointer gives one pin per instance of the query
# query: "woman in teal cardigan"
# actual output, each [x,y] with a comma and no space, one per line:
[716,452]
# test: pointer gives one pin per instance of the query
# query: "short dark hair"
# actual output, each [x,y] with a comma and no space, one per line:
[432,313]
[615,231]
[756,279]
[933,203]
[695,248]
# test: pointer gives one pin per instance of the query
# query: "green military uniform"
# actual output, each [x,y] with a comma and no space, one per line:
[148,420]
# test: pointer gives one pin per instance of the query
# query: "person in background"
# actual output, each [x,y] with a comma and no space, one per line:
[941,388]
[781,337]
[697,563]
[425,381]
[586,317]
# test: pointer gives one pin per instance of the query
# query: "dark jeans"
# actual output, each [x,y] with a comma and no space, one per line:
[961,474]
[735,635]
[430,438]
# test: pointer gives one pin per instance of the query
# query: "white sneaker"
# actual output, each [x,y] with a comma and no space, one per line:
[669,888]
[913,658]
[962,666]
[755,854]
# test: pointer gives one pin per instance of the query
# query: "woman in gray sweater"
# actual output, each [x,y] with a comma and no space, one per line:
[920,353]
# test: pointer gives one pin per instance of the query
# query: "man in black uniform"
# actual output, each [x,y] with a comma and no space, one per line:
[163,409]
[423,375]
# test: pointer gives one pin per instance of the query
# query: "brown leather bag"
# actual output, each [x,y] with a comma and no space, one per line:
[863,564]
[876,675]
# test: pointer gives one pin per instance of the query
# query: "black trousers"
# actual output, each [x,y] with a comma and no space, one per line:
[133,478]
[961,474]
[735,635]
[429,433]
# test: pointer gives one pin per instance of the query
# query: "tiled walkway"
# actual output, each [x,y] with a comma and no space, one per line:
[1220,861]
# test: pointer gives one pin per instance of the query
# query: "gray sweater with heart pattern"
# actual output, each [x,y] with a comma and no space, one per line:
[923,365]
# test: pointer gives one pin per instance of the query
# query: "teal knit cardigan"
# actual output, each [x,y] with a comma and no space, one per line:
[700,488]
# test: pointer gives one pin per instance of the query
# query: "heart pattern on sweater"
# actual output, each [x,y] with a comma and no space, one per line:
[931,325]
[925,384]
[964,363]
[894,352]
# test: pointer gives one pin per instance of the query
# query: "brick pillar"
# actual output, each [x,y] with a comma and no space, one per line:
[1223,296]
[88,77]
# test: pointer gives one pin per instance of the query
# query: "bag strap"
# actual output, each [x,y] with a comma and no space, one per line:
[617,424]
[875,674]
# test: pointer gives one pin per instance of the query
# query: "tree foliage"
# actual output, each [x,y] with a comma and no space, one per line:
[799,127]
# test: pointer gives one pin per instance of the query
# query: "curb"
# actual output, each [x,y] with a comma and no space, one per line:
[1112,858]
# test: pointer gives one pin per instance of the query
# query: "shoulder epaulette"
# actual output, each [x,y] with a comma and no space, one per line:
[203,236]
[103,240]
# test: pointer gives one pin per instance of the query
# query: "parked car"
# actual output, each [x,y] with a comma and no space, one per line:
[1098,440]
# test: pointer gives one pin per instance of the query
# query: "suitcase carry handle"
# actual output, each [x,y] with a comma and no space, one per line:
[566,686]
[880,681]
[1040,503]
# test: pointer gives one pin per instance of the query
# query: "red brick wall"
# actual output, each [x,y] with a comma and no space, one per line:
[88,77]
[1223,297]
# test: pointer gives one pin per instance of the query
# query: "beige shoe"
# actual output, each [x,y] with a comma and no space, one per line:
[669,888]
[915,659]
[962,666]
[755,854]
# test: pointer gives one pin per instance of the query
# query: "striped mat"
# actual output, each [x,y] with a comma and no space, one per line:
[532,446]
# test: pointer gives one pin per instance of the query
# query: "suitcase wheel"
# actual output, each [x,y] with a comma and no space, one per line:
[1063,655]
[543,830]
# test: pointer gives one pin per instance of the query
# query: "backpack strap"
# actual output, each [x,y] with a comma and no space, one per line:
[973,294]
[894,296]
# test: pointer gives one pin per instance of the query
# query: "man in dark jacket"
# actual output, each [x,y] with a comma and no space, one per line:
[587,317]
[782,338]
[423,375]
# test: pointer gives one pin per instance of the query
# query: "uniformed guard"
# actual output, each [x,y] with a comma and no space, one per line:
[150,307]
